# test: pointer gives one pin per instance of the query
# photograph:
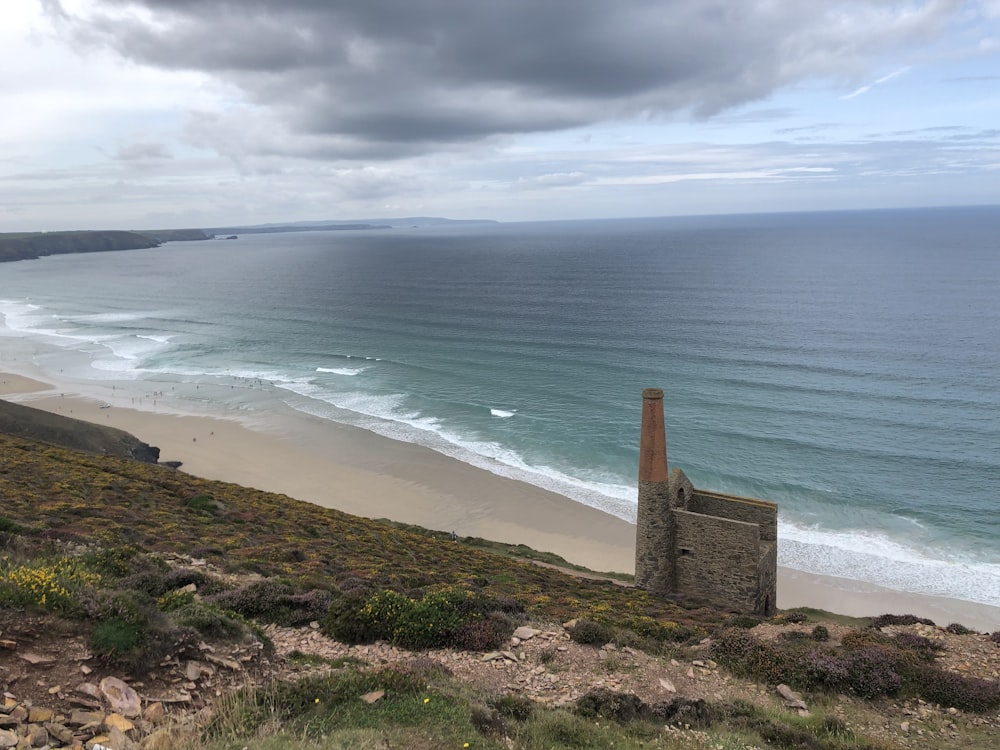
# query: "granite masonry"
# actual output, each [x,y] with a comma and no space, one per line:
[700,546]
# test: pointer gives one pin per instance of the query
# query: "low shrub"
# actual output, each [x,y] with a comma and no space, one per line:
[484,635]
[448,616]
[820,633]
[57,586]
[488,722]
[683,712]
[210,621]
[743,654]
[174,600]
[590,633]
[264,600]
[885,620]
[602,703]
[924,648]
[344,621]
[949,689]
[958,629]
[513,706]
[873,671]
[995,636]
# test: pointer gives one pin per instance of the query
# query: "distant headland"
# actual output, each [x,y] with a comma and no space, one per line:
[31,245]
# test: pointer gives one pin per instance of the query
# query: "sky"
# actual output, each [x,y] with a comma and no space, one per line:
[149,114]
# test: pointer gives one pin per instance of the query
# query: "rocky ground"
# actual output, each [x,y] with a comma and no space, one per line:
[56,695]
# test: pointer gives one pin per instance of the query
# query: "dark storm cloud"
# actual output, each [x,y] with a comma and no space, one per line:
[383,78]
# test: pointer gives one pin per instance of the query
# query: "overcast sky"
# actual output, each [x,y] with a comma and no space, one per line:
[177,113]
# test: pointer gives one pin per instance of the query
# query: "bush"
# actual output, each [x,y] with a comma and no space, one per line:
[117,638]
[344,620]
[924,648]
[820,633]
[210,621]
[590,633]
[872,671]
[884,620]
[484,635]
[683,712]
[434,621]
[995,636]
[601,703]
[513,706]
[741,653]
[949,689]
[959,629]
[116,562]
[265,600]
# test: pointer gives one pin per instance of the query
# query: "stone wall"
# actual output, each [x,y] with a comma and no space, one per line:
[738,509]
[767,579]
[653,545]
[717,560]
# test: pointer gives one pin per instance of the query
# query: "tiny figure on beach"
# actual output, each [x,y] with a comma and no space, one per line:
[454,537]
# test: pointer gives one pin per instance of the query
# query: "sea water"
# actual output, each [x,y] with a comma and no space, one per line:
[844,365]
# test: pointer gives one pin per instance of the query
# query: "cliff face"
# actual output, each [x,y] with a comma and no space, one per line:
[35,424]
[35,245]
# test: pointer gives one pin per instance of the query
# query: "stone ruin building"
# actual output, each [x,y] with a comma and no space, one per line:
[701,546]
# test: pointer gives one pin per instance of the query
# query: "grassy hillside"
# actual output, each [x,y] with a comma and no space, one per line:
[89,546]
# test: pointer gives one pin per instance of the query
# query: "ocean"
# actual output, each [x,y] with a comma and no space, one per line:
[844,364]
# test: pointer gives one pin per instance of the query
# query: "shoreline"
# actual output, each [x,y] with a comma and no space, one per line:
[364,474]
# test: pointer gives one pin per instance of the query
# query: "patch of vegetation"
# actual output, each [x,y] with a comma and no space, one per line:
[867,664]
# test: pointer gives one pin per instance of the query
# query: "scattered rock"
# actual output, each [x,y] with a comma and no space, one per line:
[121,697]
[792,699]
[525,633]
[667,685]
[373,696]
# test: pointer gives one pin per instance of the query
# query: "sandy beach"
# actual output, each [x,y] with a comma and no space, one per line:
[365,474]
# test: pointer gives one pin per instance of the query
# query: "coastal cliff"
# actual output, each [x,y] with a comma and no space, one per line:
[65,432]
[38,244]
[31,245]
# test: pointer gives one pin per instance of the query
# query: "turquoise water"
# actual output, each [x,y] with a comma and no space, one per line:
[842,364]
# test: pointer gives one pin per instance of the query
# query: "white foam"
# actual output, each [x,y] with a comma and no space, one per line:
[341,370]
[385,415]
[874,557]
[502,413]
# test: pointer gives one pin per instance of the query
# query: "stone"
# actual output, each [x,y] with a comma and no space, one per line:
[373,696]
[60,731]
[792,699]
[38,714]
[7,644]
[89,689]
[121,697]
[8,739]
[525,633]
[119,722]
[36,660]
[78,718]
[37,736]
[192,670]
[667,685]
[161,739]
[222,661]
[155,713]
